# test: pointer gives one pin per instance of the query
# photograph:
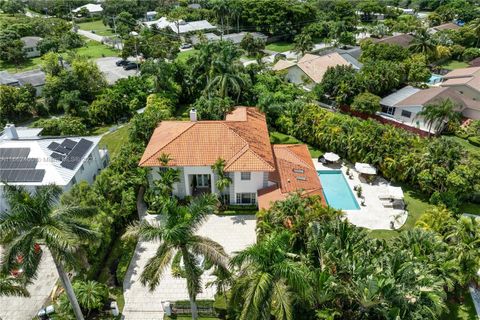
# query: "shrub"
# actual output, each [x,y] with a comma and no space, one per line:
[474,141]
[64,126]
[471,53]
[128,249]
[366,102]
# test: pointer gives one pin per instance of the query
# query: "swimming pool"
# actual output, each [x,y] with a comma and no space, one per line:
[434,79]
[337,191]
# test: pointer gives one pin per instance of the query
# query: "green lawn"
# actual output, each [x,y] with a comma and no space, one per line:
[97,26]
[115,140]
[281,138]
[184,55]
[28,64]
[464,143]
[94,49]
[454,64]
[280,46]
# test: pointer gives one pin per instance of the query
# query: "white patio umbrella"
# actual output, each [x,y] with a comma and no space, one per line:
[396,193]
[332,157]
[365,168]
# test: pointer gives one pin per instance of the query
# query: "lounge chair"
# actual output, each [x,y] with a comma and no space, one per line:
[384,196]
[387,204]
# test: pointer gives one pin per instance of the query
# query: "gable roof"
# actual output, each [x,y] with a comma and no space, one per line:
[436,94]
[241,140]
[462,72]
[446,26]
[399,95]
[464,76]
[295,172]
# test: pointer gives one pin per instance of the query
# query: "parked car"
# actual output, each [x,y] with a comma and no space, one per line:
[130,66]
[186,46]
[122,62]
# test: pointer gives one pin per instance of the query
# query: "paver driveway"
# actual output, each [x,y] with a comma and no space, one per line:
[234,233]
[18,308]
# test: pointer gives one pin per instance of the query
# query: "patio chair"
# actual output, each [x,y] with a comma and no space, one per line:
[384,196]
[322,160]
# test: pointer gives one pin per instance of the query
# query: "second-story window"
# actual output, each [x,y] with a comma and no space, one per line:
[245,175]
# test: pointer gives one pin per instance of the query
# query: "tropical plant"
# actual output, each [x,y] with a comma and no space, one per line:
[270,279]
[222,180]
[178,242]
[303,43]
[422,43]
[12,286]
[36,219]
[436,115]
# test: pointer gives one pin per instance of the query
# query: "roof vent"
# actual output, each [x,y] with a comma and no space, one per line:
[193,115]
[11,131]
[298,171]
[302,178]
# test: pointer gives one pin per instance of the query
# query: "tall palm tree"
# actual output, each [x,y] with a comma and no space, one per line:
[270,279]
[11,286]
[178,240]
[37,219]
[438,114]
[422,43]
[221,8]
[303,43]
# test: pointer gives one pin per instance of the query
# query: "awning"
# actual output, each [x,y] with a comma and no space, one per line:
[332,157]
[396,193]
[365,168]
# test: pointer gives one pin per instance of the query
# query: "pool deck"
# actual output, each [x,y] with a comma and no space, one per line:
[373,215]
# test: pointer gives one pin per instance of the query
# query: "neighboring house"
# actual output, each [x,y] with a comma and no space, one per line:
[236,38]
[30,46]
[34,77]
[150,15]
[403,40]
[92,8]
[255,167]
[442,27]
[29,160]
[475,62]
[405,104]
[309,70]
[181,27]
[465,81]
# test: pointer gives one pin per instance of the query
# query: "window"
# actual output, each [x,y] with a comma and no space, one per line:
[246,198]
[388,110]
[203,180]
[406,114]
[245,175]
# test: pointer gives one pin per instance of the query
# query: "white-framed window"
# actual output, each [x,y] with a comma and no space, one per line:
[203,180]
[246,198]
[388,110]
[245,175]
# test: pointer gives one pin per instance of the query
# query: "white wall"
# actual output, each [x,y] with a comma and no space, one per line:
[244,186]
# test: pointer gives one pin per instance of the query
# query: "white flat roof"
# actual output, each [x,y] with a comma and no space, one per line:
[91,7]
[184,27]
[54,172]
[394,98]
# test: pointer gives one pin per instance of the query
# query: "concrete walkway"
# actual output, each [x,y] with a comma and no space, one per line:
[19,308]
[475,293]
[234,233]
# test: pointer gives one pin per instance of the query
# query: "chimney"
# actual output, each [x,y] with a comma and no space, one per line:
[11,132]
[193,115]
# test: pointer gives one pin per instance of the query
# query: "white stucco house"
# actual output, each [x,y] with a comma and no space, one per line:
[260,173]
[309,70]
[92,8]
[30,160]
[30,46]
[181,26]
[466,81]
[405,105]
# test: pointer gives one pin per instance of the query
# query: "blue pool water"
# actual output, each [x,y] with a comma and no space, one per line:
[337,191]
[434,79]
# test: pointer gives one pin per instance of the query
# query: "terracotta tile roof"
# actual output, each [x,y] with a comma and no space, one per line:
[295,172]
[242,141]
[315,66]
[403,40]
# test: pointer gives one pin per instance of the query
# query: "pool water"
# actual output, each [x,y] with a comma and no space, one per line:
[434,79]
[336,190]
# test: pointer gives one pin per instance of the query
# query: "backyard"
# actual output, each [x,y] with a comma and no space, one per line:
[453,64]
[115,140]
[281,138]
[280,46]
[96,27]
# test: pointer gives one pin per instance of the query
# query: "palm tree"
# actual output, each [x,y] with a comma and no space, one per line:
[475,25]
[221,8]
[422,43]
[38,219]
[270,279]
[303,43]
[439,114]
[222,181]
[12,286]
[178,241]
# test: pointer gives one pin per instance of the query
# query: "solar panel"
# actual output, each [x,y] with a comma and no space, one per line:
[77,154]
[58,156]
[22,175]
[62,149]
[52,146]
[22,163]
[69,144]
[13,153]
